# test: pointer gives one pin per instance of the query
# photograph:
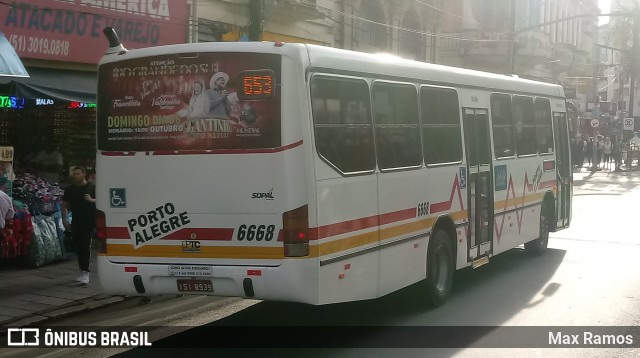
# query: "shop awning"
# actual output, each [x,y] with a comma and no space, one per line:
[10,63]
[64,85]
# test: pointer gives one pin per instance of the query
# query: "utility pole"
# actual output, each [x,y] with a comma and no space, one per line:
[256,19]
[511,58]
[595,110]
[635,57]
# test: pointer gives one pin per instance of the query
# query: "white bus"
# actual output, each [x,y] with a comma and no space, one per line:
[317,175]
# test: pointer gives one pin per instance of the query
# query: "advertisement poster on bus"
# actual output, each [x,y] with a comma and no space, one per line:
[71,30]
[190,102]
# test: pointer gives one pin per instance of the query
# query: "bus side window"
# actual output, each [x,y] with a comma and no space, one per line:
[525,125]
[503,143]
[395,115]
[441,132]
[342,123]
[544,131]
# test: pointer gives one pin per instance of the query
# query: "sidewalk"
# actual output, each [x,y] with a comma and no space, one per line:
[587,171]
[30,296]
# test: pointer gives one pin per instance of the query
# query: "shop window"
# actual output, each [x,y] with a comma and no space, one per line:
[441,134]
[502,125]
[342,123]
[544,132]
[395,114]
[525,126]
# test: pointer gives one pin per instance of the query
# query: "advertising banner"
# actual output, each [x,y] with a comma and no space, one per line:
[71,30]
[194,101]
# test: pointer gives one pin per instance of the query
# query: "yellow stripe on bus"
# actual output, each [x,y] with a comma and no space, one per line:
[206,252]
[347,243]
[517,202]
[353,242]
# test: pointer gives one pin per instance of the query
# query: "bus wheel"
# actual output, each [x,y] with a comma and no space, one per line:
[539,246]
[440,268]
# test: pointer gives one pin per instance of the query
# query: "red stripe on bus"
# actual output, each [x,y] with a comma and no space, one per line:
[117,233]
[400,215]
[228,151]
[201,234]
[345,227]
[547,184]
[118,154]
[446,205]
[363,223]
[321,232]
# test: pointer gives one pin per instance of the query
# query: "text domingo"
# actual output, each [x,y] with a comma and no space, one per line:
[141,121]
[144,124]
[157,223]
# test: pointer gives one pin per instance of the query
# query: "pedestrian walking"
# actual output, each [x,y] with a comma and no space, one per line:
[617,154]
[580,152]
[606,153]
[599,151]
[589,153]
[79,198]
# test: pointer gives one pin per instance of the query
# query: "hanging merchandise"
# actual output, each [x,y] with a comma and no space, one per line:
[37,253]
[6,169]
[40,196]
[17,233]
[49,233]
[35,234]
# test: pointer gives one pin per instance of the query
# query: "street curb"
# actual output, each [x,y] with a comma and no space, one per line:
[39,317]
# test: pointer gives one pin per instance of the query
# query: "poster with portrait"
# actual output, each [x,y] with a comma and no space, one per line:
[190,102]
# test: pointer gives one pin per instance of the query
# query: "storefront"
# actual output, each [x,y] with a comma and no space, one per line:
[37,111]
[60,43]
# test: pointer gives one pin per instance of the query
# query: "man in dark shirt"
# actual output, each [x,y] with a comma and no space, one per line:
[79,198]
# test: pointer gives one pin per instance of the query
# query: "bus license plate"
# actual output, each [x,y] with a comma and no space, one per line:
[194,285]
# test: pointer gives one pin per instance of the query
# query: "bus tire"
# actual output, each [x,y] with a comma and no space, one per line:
[539,246]
[440,269]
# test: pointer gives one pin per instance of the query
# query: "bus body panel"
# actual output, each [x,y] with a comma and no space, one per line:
[232,196]
[408,221]
[518,205]
[369,232]
[223,194]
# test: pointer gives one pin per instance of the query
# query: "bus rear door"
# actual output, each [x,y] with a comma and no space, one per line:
[479,186]
[563,171]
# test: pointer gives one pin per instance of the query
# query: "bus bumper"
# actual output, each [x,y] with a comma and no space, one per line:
[281,283]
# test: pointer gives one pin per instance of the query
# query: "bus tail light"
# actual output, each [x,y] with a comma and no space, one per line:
[295,231]
[101,231]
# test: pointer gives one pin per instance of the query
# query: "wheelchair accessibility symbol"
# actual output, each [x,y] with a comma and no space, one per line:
[118,197]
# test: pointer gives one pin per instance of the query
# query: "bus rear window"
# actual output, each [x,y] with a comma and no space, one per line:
[192,101]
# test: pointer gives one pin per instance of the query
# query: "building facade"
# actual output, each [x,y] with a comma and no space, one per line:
[545,40]
[615,62]
[60,43]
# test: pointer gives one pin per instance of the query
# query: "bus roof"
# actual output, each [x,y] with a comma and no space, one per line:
[360,63]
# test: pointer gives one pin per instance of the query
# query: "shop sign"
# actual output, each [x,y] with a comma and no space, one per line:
[44,102]
[71,30]
[74,104]
[6,154]
[11,102]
